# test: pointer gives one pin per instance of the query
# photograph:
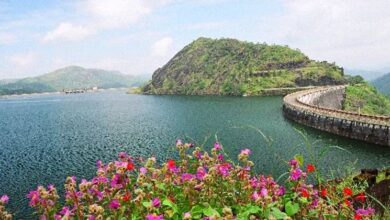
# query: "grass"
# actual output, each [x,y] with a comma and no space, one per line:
[365,99]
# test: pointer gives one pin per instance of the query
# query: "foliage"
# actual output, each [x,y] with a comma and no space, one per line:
[352,80]
[198,186]
[24,88]
[366,99]
[383,84]
[232,67]
[72,77]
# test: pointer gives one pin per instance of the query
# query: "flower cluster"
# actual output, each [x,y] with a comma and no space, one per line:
[4,214]
[201,185]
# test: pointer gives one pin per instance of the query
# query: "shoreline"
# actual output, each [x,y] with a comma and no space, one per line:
[265,92]
[26,95]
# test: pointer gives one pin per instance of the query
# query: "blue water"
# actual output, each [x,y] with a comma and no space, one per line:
[43,139]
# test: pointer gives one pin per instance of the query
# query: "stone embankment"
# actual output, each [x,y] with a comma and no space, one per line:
[320,108]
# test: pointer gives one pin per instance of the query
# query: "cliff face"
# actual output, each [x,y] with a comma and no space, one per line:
[232,67]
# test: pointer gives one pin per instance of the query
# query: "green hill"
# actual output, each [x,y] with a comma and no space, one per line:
[365,98]
[383,84]
[232,67]
[72,77]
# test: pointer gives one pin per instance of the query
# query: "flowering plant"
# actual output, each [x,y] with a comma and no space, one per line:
[200,185]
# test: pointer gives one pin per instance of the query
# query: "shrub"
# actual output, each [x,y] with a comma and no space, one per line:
[199,185]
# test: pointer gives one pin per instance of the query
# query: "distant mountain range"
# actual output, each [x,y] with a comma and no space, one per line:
[68,78]
[366,74]
[383,84]
[232,67]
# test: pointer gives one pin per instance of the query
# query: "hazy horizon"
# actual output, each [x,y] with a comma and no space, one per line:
[136,37]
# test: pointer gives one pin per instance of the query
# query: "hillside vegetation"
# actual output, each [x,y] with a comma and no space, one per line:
[72,77]
[366,99]
[383,84]
[232,67]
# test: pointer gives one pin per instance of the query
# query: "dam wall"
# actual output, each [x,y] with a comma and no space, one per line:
[320,108]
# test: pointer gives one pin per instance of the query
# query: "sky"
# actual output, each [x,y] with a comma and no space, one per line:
[138,36]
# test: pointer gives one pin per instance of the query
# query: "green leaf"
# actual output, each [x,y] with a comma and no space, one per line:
[291,208]
[170,204]
[197,212]
[278,214]
[329,216]
[299,158]
[247,211]
[161,186]
[303,200]
[208,211]
[147,204]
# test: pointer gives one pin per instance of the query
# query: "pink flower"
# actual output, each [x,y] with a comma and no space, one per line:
[295,174]
[156,202]
[224,169]
[264,192]
[365,212]
[220,157]
[99,180]
[179,142]
[99,164]
[66,212]
[293,163]
[246,152]
[198,187]
[255,196]
[143,170]
[200,173]
[114,204]
[34,198]
[187,176]
[4,199]
[281,191]
[120,164]
[117,181]
[123,156]
[154,217]
[217,146]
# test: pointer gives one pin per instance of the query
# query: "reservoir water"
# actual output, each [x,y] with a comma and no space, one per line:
[44,139]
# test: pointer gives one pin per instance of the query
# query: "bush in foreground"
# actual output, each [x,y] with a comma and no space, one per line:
[198,186]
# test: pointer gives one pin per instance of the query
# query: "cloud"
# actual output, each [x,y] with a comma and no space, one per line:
[23,59]
[162,47]
[351,32]
[67,32]
[104,14]
[205,26]
[117,13]
[6,38]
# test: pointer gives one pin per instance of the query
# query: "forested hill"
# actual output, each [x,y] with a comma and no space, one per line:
[232,67]
[71,77]
[383,84]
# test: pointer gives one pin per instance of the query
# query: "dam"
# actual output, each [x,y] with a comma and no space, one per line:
[321,108]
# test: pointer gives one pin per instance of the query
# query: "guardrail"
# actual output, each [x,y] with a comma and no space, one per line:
[355,115]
